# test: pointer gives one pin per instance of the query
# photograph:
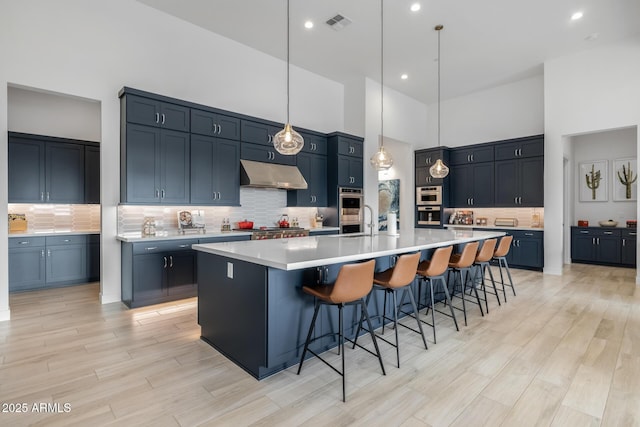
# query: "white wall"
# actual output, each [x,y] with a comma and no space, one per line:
[509,111]
[92,49]
[591,91]
[607,146]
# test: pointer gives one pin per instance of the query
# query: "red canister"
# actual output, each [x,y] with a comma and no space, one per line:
[583,223]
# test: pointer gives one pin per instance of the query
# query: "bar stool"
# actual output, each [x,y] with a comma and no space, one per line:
[461,264]
[392,280]
[481,263]
[433,270]
[500,254]
[353,283]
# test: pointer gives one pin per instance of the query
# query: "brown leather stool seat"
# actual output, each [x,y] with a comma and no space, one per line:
[399,277]
[460,265]
[353,283]
[500,254]
[433,270]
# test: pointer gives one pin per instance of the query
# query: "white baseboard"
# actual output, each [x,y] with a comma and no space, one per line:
[5,315]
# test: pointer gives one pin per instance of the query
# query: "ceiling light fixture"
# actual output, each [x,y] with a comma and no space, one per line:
[576,16]
[308,24]
[381,160]
[288,142]
[439,169]
[415,7]
[404,76]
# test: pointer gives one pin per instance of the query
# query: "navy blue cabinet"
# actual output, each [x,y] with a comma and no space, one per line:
[471,154]
[158,271]
[424,160]
[264,153]
[214,124]
[259,133]
[66,259]
[527,249]
[472,185]
[92,174]
[314,169]
[93,257]
[315,144]
[152,112]
[519,182]
[215,174]
[27,260]
[155,166]
[531,146]
[606,246]
[45,169]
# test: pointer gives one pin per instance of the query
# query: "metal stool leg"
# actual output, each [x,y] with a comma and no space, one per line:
[415,312]
[433,311]
[448,299]
[341,337]
[311,327]
[365,312]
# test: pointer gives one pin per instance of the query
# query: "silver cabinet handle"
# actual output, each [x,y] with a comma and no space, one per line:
[162,118]
[608,232]
[593,240]
[584,232]
[26,242]
[157,193]
[49,252]
[219,129]
[183,246]
[528,234]
[162,193]
[213,196]
[472,157]
[515,152]
[598,239]
[624,243]
[165,261]
[515,200]
[468,158]
[66,240]
[632,234]
[472,201]
[520,152]
[268,138]
[42,196]
[219,196]
[170,261]
[47,196]
[157,117]
[42,253]
[151,248]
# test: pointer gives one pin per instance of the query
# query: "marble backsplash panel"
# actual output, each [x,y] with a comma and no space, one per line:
[48,217]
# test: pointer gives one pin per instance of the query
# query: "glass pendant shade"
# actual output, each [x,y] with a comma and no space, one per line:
[439,169]
[288,142]
[381,160]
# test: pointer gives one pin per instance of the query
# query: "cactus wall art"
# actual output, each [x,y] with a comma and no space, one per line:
[625,176]
[593,181]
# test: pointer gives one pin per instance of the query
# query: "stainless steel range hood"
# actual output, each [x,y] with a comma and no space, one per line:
[271,175]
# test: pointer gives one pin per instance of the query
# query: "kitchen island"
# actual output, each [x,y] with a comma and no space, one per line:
[251,306]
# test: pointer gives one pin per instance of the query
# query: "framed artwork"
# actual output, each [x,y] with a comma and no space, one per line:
[388,201]
[593,181]
[624,178]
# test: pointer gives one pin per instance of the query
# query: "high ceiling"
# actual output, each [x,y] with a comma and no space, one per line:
[483,44]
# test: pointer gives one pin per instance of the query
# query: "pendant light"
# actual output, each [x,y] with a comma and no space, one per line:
[288,142]
[439,169]
[381,160]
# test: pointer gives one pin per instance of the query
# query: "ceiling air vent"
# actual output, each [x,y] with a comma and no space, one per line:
[338,22]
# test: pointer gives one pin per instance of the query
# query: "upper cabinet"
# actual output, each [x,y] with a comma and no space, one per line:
[519,173]
[345,165]
[215,174]
[532,146]
[313,168]
[214,124]
[424,160]
[315,144]
[258,132]
[151,112]
[47,170]
[92,174]
[471,154]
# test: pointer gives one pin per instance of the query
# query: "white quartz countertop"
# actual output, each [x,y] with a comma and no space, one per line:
[45,233]
[491,227]
[313,251]
[174,235]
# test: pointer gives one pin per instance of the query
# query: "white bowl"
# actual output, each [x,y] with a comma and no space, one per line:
[608,223]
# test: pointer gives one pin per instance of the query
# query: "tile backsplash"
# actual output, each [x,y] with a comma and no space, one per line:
[262,206]
[523,215]
[46,217]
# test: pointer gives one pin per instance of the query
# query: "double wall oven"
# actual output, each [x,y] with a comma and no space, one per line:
[429,205]
[350,210]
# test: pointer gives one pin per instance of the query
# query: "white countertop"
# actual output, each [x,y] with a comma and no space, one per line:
[313,251]
[137,236]
[53,233]
[491,227]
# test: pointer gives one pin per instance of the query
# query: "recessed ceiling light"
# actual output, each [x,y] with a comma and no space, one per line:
[576,16]
[308,25]
[415,7]
[404,76]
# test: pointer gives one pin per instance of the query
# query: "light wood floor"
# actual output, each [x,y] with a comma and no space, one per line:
[564,352]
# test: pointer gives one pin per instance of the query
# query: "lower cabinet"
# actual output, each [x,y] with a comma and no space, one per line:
[527,249]
[606,246]
[53,261]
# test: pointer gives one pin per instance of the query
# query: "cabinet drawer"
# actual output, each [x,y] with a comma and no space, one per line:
[471,155]
[596,232]
[25,242]
[629,234]
[163,246]
[522,234]
[532,147]
[66,240]
[224,239]
[350,147]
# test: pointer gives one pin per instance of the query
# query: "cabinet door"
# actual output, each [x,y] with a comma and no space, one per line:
[143,111]
[66,263]
[318,180]
[483,187]
[506,185]
[314,144]
[356,171]
[181,273]
[149,273]
[174,160]
[528,253]
[64,173]
[471,155]
[212,124]
[142,164]
[202,170]
[26,171]
[267,154]
[531,180]
[350,147]
[582,246]
[227,172]
[460,190]
[608,249]
[423,177]
[628,250]
[26,268]
[93,257]
[92,174]
[302,197]
[175,117]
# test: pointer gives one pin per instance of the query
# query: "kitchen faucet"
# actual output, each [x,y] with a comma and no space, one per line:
[370,225]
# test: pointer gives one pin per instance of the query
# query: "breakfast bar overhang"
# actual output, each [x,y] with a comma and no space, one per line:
[251,306]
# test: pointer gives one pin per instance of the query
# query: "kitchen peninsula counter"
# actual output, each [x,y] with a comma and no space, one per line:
[251,306]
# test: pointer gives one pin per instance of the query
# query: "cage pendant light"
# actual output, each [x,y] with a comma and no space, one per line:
[381,160]
[288,142]
[439,169]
